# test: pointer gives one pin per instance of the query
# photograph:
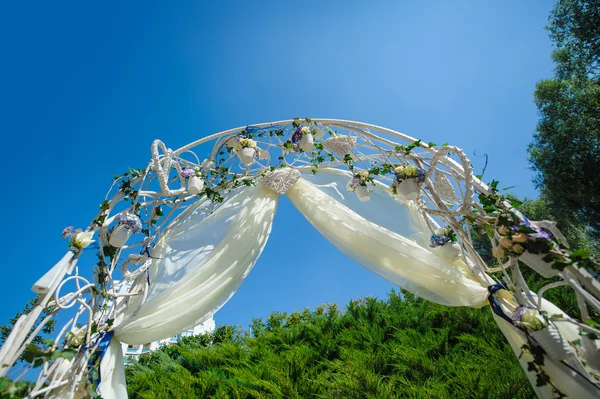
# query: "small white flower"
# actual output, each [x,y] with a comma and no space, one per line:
[245,143]
[533,320]
[410,171]
[83,239]
[305,130]
[77,336]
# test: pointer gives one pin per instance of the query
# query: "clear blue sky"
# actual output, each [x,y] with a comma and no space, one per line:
[84,89]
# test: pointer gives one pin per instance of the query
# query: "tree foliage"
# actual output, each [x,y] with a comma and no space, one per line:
[402,347]
[48,328]
[575,30]
[565,152]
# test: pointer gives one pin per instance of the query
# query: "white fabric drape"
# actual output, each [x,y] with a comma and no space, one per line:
[566,380]
[214,254]
[112,384]
[390,255]
[213,270]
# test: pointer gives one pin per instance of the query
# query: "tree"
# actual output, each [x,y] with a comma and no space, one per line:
[565,152]
[575,29]
[48,328]
[402,347]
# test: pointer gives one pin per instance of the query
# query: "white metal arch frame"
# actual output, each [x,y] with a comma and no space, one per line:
[160,195]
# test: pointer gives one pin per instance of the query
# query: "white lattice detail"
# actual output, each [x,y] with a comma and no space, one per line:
[280,180]
[142,260]
[443,187]
[340,145]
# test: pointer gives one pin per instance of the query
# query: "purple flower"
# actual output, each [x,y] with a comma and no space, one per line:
[187,173]
[130,222]
[537,233]
[297,135]
[518,313]
[354,182]
[67,231]
[420,176]
[436,241]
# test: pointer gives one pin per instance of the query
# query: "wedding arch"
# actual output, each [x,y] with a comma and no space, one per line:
[186,231]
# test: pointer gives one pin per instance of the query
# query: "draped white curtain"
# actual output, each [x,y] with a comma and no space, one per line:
[202,260]
[215,254]
[392,256]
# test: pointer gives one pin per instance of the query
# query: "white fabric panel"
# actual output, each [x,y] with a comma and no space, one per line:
[566,380]
[215,267]
[191,237]
[382,209]
[392,256]
[112,372]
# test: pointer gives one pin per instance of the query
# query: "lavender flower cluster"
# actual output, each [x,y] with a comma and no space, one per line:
[187,173]
[130,221]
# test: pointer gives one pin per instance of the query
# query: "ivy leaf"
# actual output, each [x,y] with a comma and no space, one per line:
[64,354]
[104,205]
[542,379]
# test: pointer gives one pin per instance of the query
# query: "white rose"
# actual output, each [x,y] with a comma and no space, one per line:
[77,336]
[440,232]
[305,130]
[533,320]
[83,239]
[410,171]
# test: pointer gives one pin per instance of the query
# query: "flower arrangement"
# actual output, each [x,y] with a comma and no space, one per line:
[515,239]
[187,173]
[194,179]
[537,324]
[246,150]
[529,318]
[245,143]
[129,221]
[520,238]
[445,243]
[442,237]
[303,136]
[406,181]
[127,224]
[78,239]
[358,184]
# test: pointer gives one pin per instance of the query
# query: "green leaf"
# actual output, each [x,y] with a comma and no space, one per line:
[64,354]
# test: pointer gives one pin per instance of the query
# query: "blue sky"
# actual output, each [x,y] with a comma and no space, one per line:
[85,88]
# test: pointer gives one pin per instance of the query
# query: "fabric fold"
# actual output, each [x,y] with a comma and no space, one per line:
[213,272]
[390,255]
